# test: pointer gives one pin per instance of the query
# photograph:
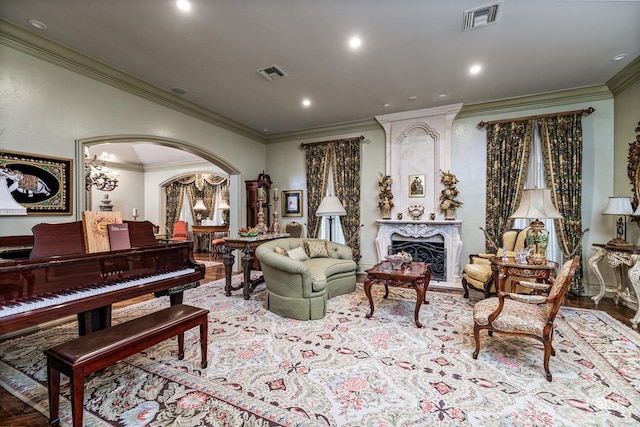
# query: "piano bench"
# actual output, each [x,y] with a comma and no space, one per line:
[90,353]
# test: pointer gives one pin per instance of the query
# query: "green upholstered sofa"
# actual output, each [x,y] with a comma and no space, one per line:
[300,289]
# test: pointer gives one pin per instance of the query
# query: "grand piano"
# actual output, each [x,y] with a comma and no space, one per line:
[59,278]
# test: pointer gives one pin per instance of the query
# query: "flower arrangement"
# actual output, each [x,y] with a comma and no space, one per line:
[400,259]
[385,197]
[449,196]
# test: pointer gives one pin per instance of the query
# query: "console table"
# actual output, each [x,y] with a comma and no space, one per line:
[247,245]
[621,260]
[208,231]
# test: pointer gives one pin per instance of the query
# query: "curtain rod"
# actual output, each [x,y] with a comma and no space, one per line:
[541,116]
[308,144]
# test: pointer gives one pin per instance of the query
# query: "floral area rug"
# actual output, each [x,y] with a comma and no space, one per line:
[346,370]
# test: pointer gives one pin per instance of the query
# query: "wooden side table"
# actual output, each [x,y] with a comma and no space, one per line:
[416,276]
[502,270]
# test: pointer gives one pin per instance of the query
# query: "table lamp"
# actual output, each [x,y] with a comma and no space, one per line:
[536,203]
[620,207]
[330,206]
[224,207]
[199,207]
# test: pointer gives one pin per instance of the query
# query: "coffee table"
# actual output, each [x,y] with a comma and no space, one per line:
[417,276]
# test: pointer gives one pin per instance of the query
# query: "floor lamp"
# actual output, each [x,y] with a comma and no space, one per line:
[330,206]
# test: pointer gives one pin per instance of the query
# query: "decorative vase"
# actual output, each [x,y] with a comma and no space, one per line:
[450,214]
[386,211]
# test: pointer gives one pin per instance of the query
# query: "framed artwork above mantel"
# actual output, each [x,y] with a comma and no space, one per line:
[42,184]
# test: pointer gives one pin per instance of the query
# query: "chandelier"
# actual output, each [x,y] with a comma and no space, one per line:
[98,175]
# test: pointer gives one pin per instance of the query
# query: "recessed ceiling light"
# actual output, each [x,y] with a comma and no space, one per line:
[183,5]
[413,98]
[442,96]
[37,24]
[355,42]
[306,102]
[179,91]
[386,105]
[475,69]
[619,57]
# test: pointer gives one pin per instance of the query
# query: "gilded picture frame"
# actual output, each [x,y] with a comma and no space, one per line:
[42,184]
[292,203]
[416,185]
[633,171]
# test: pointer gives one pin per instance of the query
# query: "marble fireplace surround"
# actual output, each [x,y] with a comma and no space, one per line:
[449,231]
[418,142]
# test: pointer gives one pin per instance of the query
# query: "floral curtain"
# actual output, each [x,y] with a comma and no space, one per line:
[344,156]
[508,145]
[197,186]
[317,162]
[562,147]
[346,173]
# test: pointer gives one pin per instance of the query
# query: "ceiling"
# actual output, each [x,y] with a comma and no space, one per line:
[414,53]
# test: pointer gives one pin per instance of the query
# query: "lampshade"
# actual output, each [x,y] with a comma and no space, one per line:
[224,206]
[536,203]
[330,206]
[618,206]
[8,205]
[199,206]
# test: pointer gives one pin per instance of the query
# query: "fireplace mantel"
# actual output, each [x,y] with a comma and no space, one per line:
[448,230]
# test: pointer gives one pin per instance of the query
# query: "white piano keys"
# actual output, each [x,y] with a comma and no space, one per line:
[44,302]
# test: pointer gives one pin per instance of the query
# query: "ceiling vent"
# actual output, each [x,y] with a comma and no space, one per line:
[272,73]
[480,16]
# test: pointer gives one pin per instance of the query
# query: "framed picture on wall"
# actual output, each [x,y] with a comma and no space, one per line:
[292,203]
[40,184]
[416,185]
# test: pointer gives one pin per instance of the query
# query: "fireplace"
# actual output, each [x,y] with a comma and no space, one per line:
[438,239]
[424,251]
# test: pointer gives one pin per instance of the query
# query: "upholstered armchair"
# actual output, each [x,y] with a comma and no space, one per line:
[478,276]
[525,315]
[180,231]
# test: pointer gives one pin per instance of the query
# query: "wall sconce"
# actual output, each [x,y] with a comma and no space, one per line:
[98,175]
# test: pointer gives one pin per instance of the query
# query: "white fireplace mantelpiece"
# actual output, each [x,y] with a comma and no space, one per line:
[448,230]
[418,142]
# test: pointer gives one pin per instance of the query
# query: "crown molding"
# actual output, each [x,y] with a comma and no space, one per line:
[543,100]
[326,131]
[47,50]
[625,78]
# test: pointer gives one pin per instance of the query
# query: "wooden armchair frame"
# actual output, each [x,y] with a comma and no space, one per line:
[487,312]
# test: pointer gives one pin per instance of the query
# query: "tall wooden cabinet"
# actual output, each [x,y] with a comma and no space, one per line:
[253,186]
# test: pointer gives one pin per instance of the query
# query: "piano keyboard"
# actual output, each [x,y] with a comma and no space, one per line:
[10,308]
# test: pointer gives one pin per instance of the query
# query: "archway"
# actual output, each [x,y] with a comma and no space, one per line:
[233,172]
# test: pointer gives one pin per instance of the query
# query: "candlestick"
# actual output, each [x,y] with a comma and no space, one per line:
[135,213]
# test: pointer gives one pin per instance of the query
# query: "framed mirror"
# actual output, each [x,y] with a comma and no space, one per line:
[633,171]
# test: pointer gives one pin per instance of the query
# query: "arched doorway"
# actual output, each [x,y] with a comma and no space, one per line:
[154,201]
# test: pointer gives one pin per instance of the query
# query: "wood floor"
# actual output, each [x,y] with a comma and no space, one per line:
[14,413]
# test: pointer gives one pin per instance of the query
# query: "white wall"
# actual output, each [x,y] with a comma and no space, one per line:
[44,109]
